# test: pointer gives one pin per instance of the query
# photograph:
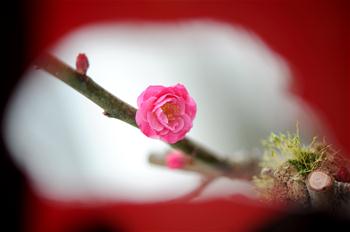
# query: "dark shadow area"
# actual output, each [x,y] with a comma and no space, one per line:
[13,34]
[308,221]
[94,226]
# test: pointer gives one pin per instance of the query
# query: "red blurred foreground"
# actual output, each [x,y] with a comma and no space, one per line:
[237,214]
[313,36]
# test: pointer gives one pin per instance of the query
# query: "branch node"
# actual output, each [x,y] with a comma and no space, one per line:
[105,113]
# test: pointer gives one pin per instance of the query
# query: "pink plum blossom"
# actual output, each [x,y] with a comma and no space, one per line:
[165,113]
[175,160]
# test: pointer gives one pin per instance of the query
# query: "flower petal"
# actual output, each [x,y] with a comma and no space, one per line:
[171,137]
[146,106]
[168,99]
[181,91]
[163,132]
[148,131]
[153,122]
[191,108]
[187,122]
[179,125]
[162,118]
[151,91]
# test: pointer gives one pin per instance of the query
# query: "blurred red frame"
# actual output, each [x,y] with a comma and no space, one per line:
[313,36]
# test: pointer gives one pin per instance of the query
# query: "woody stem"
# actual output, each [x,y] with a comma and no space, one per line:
[116,108]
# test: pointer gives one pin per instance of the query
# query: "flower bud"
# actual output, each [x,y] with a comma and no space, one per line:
[176,160]
[82,63]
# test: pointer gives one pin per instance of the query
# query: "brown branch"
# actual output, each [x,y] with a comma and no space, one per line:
[116,108]
[342,190]
[202,169]
[243,170]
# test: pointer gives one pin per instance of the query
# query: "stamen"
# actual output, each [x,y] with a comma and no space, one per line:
[170,110]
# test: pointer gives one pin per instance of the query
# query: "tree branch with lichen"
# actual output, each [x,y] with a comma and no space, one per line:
[311,175]
[116,108]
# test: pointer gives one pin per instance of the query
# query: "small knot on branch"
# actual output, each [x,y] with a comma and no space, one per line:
[105,113]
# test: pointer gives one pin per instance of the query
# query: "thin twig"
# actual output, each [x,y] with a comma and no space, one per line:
[202,169]
[195,192]
[116,108]
[243,170]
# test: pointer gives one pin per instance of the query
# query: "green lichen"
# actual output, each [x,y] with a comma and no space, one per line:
[281,148]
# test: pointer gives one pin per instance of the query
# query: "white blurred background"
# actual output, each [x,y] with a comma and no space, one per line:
[70,151]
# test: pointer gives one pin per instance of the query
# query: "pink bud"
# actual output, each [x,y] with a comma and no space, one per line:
[82,63]
[176,159]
